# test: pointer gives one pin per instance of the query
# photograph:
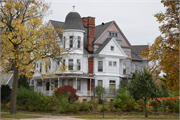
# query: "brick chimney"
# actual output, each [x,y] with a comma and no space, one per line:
[89,22]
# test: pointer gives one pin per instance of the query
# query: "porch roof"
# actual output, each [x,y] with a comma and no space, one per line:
[90,76]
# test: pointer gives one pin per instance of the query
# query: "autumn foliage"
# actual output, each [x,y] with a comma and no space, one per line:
[67,91]
[165,49]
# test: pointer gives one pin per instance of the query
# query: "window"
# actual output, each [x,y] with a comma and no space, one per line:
[32,82]
[64,62]
[39,83]
[37,65]
[70,41]
[110,63]
[112,48]
[78,64]
[29,81]
[70,64]
[40,67]
[57,62]
[114,63]
[49,65]
[70,82]
[63,82]
[136,68]
[124,68]
[46,68]
[79,41]
[64,42]
[78,84]
[100,66]
[56,83]
[113,34]
[100,83]
[112,84]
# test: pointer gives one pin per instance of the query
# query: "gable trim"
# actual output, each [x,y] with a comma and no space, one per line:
[103,32]
[122,34]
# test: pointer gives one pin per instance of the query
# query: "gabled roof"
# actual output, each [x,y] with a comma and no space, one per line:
[57,24]
[135,57]
[7,79]
[138,48]
[102,46]
[99,29]
[103,27]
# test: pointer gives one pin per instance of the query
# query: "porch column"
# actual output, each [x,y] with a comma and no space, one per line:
[58,81]
[76,83]
[42,86]
[90,87]
[50,86]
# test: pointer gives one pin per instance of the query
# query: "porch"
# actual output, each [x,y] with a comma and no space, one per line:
[83,84]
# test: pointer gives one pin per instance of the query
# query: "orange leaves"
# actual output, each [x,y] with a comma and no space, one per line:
[165,49]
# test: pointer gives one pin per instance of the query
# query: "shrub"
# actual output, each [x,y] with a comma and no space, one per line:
[140,102]
[23,82]
[99,91]
[94,104]
[67,91]
[176,108]
[84,107]
[123,101]
[75,109]
[63,104]
[170,104]
[137,108]
[111,105]
[155,104]
[5,93]
[106,108]
[33,101]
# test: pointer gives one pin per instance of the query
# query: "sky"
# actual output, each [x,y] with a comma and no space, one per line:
[135,18]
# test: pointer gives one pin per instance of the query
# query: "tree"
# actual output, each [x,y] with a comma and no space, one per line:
[99,91]
[22,82]
[165,49]
[25,39]
[143,87]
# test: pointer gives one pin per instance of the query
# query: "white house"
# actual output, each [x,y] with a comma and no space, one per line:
[101,55]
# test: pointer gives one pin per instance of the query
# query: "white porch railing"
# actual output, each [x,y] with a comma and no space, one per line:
[84,93]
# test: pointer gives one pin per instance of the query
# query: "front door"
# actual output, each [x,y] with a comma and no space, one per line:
[47,86]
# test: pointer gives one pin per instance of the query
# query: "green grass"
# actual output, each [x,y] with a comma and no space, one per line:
[130,117]
[18,116]
[108,115]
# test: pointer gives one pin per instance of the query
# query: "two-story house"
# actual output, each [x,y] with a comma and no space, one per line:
[101,55]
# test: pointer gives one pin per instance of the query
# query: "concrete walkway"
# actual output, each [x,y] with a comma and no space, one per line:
[45,117]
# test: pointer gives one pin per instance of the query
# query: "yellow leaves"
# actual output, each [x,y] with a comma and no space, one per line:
[25,39]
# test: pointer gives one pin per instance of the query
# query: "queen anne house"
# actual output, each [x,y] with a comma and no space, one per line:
[101,55]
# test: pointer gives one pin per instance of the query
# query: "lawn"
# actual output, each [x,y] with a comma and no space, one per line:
[18,116]
[130,117]
[108,115]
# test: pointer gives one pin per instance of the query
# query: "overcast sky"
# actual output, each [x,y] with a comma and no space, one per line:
[134,17]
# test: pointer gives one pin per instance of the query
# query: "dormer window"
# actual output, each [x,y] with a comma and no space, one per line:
[113,34]
[112,48]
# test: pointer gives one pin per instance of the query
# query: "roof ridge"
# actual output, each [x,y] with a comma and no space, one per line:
[104,23]
[56,21]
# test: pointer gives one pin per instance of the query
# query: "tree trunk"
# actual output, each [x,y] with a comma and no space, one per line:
[145,108]
[14,90]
